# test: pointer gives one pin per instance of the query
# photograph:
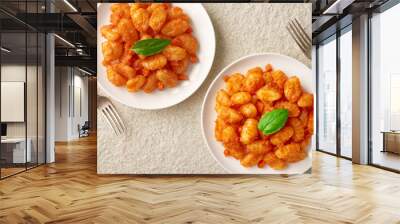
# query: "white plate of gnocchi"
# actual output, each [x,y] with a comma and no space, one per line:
[147,76]
[243,94]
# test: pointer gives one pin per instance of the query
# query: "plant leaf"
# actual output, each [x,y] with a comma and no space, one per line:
[273,121]
[149,47]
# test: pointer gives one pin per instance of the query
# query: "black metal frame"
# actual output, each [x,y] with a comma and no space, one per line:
[380,9]
[317,97]
[44,80]
[45,90]
[26,90]
[369,116]
[0,89]
[338,98]
[337,36]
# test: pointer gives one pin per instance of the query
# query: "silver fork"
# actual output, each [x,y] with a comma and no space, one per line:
[110,113]
[300,36]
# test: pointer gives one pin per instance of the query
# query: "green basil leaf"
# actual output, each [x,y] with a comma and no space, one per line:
[149,47]
[273,121]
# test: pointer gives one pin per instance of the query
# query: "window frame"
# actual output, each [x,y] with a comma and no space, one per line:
[381,9]
[334,37]
[31,30]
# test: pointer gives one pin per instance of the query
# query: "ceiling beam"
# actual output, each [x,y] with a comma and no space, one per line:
[84,24]
[337,7]
[78,61]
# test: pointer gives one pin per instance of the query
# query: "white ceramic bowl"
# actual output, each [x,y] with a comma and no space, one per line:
[204,32]
[288,65]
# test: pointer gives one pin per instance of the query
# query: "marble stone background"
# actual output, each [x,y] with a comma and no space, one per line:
[170,141]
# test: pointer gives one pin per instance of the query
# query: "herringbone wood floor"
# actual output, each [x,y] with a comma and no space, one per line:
[69,191]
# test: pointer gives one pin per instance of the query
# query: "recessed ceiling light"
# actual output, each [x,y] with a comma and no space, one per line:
[84,71]
[64,40]
[70,5]
[337,7]
[5,50]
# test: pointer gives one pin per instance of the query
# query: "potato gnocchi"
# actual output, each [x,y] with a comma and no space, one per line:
[130,23]
[241,104]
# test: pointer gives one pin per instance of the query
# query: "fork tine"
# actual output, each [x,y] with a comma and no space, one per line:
[111,115]
[114,124]
[114,119]
[296,40]
[118,117]
[109,120]
[299,30]
[304,46]
[298,35]
[303,31]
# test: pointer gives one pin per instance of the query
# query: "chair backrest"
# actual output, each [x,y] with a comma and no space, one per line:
[86,124]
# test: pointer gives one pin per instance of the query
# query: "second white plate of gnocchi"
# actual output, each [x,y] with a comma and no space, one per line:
[265,164]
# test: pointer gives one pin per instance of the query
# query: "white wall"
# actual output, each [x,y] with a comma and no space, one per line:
[33,127]
[12,101]
[61,103]
[12,73]
[67,117]
[80,84]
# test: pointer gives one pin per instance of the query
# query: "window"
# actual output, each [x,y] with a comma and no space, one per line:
[385,89]
[346,92]
[327,96]
[394,110]
[22,75]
